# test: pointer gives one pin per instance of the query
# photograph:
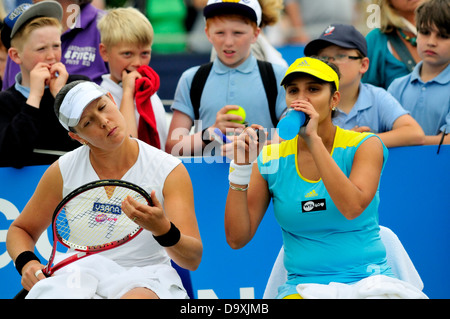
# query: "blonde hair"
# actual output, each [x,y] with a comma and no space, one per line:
[24,32]
[271,10]
[390,19]
[125,25]
[2,11]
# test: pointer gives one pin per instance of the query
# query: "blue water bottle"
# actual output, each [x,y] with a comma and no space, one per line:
[289,126]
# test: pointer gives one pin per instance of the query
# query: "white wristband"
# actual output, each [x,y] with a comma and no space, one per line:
[240,174]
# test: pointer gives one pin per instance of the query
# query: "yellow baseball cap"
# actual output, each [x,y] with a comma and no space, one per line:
[314,67]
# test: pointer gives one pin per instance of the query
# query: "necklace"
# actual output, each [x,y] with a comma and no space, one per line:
[412,40]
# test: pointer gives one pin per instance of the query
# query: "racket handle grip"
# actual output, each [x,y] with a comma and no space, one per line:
[261,136]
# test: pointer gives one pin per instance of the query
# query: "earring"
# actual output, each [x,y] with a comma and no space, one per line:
[333,108]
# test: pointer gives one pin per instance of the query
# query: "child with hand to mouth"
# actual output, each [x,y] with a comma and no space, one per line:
[126,45]
[29,132]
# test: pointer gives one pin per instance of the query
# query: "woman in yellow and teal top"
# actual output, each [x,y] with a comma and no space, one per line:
[324,186]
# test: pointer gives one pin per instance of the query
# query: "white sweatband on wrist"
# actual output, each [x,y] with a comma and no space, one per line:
[240,174]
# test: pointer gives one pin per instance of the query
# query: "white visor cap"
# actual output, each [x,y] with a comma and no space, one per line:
[76,100]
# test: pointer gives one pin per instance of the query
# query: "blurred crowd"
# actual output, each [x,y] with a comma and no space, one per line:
[179,24]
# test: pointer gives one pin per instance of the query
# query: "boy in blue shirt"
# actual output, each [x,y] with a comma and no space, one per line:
[363,107]
[426,91]
[234,80]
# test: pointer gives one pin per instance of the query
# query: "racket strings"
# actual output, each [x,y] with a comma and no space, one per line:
[94,218]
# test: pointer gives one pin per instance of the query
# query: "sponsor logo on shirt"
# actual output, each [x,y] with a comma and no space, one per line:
[76,55]
[314,205]
[313,193]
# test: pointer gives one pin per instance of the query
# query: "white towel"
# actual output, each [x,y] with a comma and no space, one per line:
[373,287]
[398,258]
[99,277]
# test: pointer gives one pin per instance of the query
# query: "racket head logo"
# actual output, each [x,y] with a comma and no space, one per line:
[100,218]
[66,221]
[107,208]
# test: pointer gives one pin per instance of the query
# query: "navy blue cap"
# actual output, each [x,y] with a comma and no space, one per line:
[342,35]
[24,13]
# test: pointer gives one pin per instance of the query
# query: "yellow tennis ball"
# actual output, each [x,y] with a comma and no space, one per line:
[240,112]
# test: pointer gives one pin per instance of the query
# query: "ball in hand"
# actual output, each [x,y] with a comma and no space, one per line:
[240,112]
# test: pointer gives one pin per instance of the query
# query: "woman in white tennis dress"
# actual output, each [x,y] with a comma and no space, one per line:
[140,268]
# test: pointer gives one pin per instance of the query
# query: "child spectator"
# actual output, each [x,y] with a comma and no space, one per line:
[79,42]
[262,49]
[30,134]
[363,107]
[126,44]
[426,91]
[235,80]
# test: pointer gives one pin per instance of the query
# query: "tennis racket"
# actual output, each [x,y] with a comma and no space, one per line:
[90,220]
